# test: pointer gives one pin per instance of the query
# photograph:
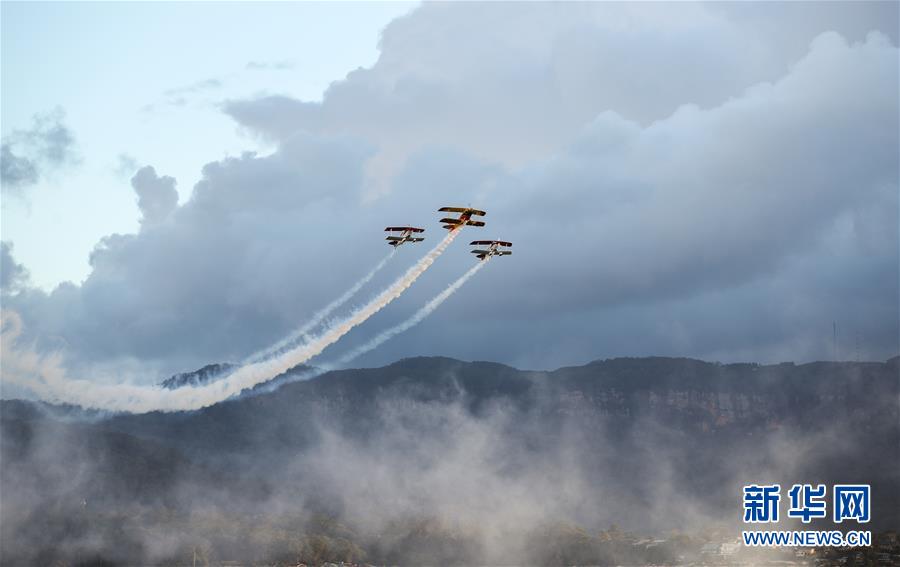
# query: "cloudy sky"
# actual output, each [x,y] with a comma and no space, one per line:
[186,183]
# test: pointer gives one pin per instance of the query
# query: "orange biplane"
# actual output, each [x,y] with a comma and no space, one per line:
[464,219]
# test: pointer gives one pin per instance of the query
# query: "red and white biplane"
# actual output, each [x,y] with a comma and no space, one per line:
[493,248]
[405,235]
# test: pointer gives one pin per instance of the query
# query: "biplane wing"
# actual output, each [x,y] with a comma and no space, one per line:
[404,236]
[403,229]
[462,210]
[461,222]
[493,248]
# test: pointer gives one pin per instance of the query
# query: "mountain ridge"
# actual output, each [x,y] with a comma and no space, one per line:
[651,444]
[613,371]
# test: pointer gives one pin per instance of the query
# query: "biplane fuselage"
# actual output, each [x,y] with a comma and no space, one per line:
[494,248]
[405,234]
[464,218]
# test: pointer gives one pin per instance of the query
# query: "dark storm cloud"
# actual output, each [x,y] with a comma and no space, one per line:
[677,237]
[676,179]
[27,154]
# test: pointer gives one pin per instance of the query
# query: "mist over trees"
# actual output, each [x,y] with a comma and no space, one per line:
[437,461]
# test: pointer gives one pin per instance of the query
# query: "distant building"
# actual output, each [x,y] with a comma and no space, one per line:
[726,549]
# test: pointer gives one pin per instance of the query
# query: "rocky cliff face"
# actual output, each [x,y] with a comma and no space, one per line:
[208,373]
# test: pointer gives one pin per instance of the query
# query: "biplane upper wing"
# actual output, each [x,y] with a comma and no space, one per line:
[403,228]
[489,242]
[462,210]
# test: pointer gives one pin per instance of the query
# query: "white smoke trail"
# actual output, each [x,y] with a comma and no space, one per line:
[417,317]
[46,378]
[301,333]
[387,334]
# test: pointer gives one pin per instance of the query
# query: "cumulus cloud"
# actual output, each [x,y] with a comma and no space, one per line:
[157,197]
[13,275]
[755,206]
[17,171]
[725,194]
[28,154]
[728,202]
[246,247]
[513,85]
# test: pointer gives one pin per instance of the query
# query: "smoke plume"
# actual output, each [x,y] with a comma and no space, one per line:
[302,332]
[47,379]
[417,317]
[387,334]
